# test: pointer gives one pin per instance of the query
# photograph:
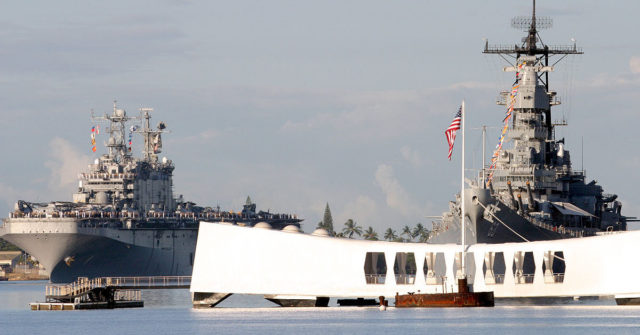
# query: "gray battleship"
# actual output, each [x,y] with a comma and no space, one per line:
[530,191]
[124,219]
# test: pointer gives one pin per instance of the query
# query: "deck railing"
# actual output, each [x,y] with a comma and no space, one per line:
[405,279]
[524,278]
[148,282]
[128,295]
[375,278]
[84,284]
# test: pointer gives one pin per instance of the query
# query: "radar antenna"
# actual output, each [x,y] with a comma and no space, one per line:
[152,138]
[117,127]
[530,42]
[530,45]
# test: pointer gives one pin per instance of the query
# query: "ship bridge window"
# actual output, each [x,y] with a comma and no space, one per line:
[553,267]
[494,268]
[435,268]
[469,266]
[524,267]
[404,268]
[375,268]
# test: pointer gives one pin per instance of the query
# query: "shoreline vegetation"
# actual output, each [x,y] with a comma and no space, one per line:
[408,234]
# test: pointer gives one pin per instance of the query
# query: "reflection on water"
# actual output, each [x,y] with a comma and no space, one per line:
[169,311]
[16,295]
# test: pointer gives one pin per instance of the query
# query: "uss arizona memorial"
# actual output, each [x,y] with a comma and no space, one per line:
[288,265]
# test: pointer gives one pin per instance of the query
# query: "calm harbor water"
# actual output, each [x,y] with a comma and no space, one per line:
[170,312]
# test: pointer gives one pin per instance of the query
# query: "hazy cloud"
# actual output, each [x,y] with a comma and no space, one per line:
[610,81]
[9,195]
[65,163]
[363,210]
[80,47]
[383,114]
[396,196]
[205,135]
[634,64]
[412,156]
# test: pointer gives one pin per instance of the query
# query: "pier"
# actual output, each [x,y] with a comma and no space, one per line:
[105,292]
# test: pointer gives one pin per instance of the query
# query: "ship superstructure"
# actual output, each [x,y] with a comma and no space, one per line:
[124,219]
[530,191]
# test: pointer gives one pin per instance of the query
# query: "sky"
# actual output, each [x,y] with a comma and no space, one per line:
[303,103]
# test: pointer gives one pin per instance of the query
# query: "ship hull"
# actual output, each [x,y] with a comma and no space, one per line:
[68,251]
[109,258]
[483,231]
[507,227]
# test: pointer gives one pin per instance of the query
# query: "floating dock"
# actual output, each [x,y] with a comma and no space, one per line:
[104,292]
[61,306]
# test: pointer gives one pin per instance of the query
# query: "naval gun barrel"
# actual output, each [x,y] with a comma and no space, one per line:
[513,199]
[532,204]
[520,205]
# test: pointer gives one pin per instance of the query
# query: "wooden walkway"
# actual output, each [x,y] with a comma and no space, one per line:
[85,286]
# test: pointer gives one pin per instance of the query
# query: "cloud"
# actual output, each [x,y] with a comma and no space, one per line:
[65,164]
[612,81]
[385,113]
[9,195]
[363,210]
[205,135]
[102,46]
[470,85]
[397,197]
[412,156]
[634,64]
[360,114]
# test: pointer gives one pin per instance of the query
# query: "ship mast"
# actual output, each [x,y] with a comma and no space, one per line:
[484,155]
[152,138]
[536,54]
[463,241]
[117,128]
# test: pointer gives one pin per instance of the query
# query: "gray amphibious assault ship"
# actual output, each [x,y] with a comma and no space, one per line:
[124,219]
[530,191]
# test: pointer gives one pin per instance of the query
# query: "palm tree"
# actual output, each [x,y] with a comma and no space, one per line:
[424,236]
[390,235]
[350,228]
[407,232]
[418,230]
[370,234]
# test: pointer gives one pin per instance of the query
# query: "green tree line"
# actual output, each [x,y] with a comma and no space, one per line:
[351,229]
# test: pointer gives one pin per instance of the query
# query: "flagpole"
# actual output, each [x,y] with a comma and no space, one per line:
[484,136]
[462,209]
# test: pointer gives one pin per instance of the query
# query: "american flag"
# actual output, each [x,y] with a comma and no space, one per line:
[450,133]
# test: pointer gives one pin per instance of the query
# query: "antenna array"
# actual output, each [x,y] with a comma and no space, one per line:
[524,22]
